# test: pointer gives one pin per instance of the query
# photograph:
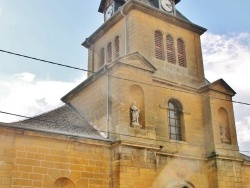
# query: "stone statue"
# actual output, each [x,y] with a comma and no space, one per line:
[223,133]
[135,113]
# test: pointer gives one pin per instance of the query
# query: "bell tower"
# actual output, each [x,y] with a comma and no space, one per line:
[109,7]
[147,89]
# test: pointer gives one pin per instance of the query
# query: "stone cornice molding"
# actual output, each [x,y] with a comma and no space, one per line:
[136,5]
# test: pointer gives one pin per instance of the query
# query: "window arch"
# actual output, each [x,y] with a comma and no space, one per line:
[117,46]
[109,52]
[170,49]
[175,120]
[102,57]
[64,183]
[158,45]
[181,52]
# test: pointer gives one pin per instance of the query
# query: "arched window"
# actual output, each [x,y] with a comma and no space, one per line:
[158,45]
[109,52]
[181,53]
[117,46]
[102,57]
[174,120]
[170,49]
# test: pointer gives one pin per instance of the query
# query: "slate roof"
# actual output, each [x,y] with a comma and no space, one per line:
[246,158]
[63,120]
[180,15]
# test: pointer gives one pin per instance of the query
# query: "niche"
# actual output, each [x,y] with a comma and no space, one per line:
[224,126]
[137,96]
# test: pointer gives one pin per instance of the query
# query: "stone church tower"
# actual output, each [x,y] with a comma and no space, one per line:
[146,117]
[148,55]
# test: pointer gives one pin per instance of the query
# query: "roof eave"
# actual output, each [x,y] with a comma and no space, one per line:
[147,9]
[82,85]
[177,1]
[209,86]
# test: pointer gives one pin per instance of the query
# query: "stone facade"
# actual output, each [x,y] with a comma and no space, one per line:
[94,143]
[37,159]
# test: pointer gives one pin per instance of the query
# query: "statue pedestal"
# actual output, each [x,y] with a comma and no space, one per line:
[136,125]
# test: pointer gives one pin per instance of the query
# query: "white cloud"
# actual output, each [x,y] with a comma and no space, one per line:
[228,57]
[243,129]
[25,76]
[24,95]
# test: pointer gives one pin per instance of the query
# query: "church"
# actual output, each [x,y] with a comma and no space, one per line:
[146,116]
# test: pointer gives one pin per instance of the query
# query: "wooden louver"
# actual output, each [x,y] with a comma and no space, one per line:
[102,57]
[181,53]
[158,45]
[170,49]
[117,46]
[109,52]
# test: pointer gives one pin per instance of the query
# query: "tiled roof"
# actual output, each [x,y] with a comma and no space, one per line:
[63,120]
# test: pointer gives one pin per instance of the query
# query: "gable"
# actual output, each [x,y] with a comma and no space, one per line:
[221,86]
[138,61]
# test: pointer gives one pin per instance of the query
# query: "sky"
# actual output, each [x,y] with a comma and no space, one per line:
[54,30]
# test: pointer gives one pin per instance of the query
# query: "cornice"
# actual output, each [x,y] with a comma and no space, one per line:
[209,87]
[136,5]
[84,84]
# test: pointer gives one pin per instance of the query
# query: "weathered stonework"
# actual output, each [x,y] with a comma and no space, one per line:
[93,143]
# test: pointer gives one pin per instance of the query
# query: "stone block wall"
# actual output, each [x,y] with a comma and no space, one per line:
[7,156]
[146,168]
[245,171]
[92,103]
[141,39]
[229,174]
[32,159]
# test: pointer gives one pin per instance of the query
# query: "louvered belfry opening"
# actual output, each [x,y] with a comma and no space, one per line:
[117,46]
[158,45]
[109,52]
[170,49]
[181,52]
[102,57]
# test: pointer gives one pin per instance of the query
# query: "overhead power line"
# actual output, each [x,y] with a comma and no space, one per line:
[42,60]
[100,131]
[76,68]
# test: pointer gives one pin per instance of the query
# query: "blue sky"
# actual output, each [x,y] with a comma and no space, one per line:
[219,17]
[54,30]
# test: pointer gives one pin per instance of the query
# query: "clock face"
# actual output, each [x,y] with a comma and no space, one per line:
[109,11]
[167,5]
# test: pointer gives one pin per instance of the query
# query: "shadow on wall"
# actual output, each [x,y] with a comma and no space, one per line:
[64,183]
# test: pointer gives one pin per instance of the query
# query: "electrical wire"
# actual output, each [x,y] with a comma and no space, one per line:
[76,68]
[12,114]
[72,67]
[42,60]
[36,118]
[67,66]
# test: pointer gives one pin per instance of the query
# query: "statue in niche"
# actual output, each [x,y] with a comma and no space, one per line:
[223,133]
[135,114]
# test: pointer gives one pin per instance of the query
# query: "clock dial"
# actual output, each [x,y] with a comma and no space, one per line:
[109,11]
[167,5]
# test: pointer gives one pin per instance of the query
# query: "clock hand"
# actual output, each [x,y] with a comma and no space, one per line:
[168,5]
